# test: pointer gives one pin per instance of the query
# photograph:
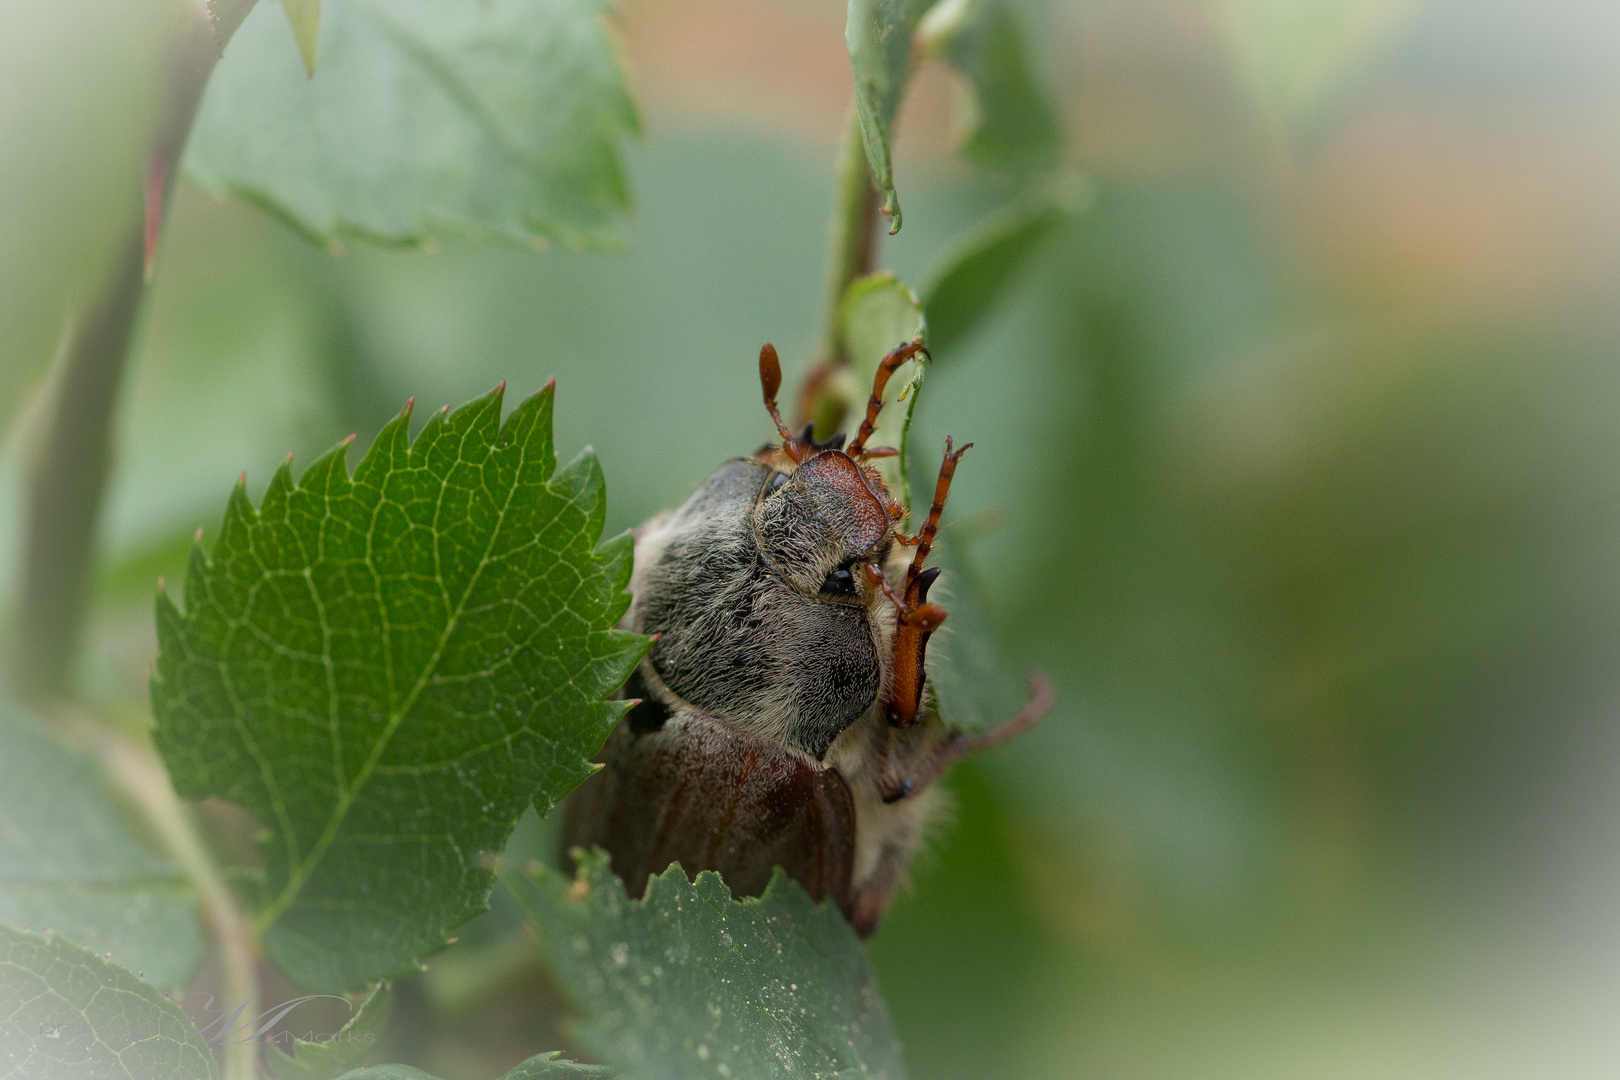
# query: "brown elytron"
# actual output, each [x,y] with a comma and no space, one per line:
[784,718]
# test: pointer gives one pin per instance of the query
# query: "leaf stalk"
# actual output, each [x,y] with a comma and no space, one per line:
[69,477]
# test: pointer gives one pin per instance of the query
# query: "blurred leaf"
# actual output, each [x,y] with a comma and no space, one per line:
[427,118]
[973,275]
[1295,56]
[351,1045]
[973,688]
[69,863]
[79,88]
[386,669]
[878,34]
[688,982]
[70,1015]
[305,17]
[547,1066]
[1009,119]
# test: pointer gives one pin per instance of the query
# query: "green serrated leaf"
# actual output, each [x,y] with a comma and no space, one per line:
[688,982]
[973,688]
[70,1015]
[388,668]
[878,34]
[69,862]
[548,1066]
[1008,119]
[350,1047]
[427,118]
[973,275]
[305,17]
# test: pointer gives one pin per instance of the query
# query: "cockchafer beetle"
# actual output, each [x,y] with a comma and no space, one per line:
[784,715]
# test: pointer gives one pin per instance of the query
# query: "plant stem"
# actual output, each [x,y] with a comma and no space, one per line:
[69,478]
[851,254]
[853,234]
[143,777]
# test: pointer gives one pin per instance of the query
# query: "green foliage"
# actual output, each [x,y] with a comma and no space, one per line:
[71,1015]
[354,1043]
[973,687]
[425,119]
[878,313]
[1010,121]
[69,862]
[971,278]
[688,982]
[387,668]
[305,17]
[548,1066]
[878,34]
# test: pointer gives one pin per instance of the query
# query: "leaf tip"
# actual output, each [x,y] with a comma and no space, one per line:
[891,209]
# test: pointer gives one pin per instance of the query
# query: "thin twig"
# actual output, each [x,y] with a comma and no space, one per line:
[851,253]
[143,778]
[69,478]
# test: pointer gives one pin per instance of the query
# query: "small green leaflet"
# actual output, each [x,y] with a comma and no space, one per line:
[878,34]
[688,983]
[349,1048]
[879,313]
[425,119]
[71,1015]
[549,1066]
[388,668]
[70,863]
[1010,121]
[974,274]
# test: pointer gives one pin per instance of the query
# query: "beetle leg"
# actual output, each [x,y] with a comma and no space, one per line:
[874,404]
[960,746]
[770,381]
[875,893]
[924,540]
[917,620]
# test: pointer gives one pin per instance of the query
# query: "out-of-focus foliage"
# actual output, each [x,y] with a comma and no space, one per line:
[78,89]
[70,862]
[424,119]
[1006,117]
[71,1013]
[349,1048]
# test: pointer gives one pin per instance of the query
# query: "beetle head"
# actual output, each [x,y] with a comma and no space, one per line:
[757,625]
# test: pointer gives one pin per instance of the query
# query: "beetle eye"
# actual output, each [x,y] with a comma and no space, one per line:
[839,583]
[776,481]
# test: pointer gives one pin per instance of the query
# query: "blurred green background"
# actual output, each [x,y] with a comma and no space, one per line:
[1297,470]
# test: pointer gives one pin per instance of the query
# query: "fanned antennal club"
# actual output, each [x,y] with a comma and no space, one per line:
[770,381]
[874,404]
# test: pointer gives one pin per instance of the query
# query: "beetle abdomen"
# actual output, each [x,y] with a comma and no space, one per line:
[704,793]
